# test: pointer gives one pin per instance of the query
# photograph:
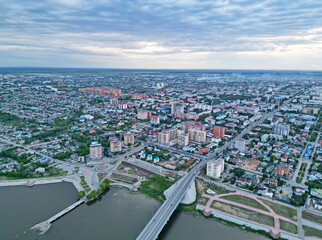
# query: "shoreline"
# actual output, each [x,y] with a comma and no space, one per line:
[29,182]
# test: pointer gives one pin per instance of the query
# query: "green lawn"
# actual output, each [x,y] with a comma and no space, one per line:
[203,201]
[299,179]
[84,184]
[289,227]
[202,187]
[312,232]
[246,201]
[312,217]
[155,187]
[282,210]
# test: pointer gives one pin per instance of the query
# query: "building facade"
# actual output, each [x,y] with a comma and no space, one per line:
[115,145]
[167,135]
[215,168]
[128,138]
[219,132]
[197,135]
[281,129]
[177,107]
[193,125]
[95,151]
[183,140]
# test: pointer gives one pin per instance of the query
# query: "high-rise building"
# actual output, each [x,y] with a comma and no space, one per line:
[281,129]
[155,120]
[240,145]
[115,145]
[193,125]
[215,168]
[197,135]
[164,137]
[183,139]
[128,138]
[219,132]
[95,151]
[122,106]
[143,114]
[177,107]
[167,135]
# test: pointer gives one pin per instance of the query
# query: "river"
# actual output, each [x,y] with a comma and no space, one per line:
[118,215]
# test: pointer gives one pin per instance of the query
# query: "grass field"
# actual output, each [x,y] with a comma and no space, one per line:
[312,217]
[155,187]
[202,187]
[282,210]
[312,232]
[289,227]
[243,213]
[246,201]
[203,201]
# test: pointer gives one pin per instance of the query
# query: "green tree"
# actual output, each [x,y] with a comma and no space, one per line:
[81,194]
[238,172]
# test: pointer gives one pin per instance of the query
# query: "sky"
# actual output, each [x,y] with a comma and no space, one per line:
[162,34]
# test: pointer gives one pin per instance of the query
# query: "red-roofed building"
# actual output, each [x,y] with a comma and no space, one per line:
[204,150]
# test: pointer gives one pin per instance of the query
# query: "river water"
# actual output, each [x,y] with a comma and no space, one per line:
[118,215]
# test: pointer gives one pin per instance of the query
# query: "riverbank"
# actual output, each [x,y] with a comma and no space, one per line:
[39,181]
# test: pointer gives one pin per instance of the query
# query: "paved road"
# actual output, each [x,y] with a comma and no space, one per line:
[316,144]
[303,160]
[300,230]
[311,224]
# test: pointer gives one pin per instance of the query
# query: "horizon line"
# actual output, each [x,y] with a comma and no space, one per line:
[161,69]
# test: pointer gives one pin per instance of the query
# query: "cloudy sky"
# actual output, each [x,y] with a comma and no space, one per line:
[182,34]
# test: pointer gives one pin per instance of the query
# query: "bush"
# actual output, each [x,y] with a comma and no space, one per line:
[81,194]
[91,195]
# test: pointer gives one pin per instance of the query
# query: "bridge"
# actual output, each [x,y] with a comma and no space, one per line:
[162,216]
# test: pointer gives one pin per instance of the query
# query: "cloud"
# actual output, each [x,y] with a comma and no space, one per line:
[216,33]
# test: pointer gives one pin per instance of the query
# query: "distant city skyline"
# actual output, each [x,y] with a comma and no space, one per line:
[162,34]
